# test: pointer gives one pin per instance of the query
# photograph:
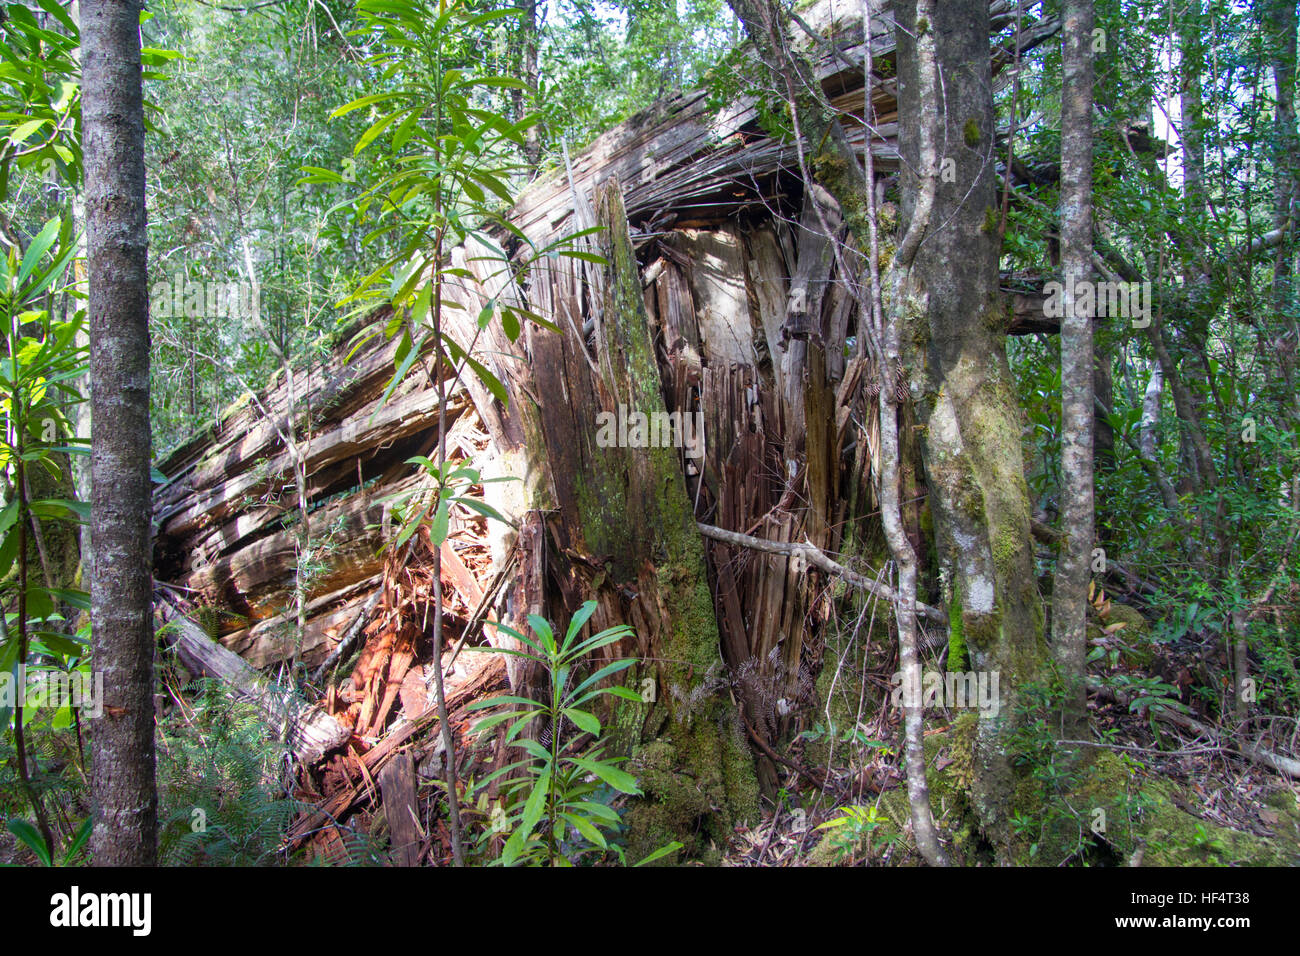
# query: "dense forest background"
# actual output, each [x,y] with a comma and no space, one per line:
[325,180]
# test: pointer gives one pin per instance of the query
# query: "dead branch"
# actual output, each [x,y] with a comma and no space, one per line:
[817,558]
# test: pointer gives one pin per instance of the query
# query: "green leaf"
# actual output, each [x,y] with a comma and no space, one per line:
[357,104]
[621,692]
[79,840]
[8,517]
[55,9]
[61,508]
[441,518]
[604,672]
[483,508]
[487,723]
[402,367]
[608,814]
[579,621]
[584,827]
[534,749]
[62,645]
[21,132]
[584,721]
[536,804]
[500,699]
[619,780]
[39,246]
[507,629]
[494,184]
[493,384]
[542,628]
[510,324]
[585,256]
[29,835]
[498,82]
[661,852]
[513,848]
[375,129]
[409,528]
[420,310]
[73,597]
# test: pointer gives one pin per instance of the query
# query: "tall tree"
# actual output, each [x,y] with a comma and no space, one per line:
[122,781]
[952,333]
[1070,588]
[954,351]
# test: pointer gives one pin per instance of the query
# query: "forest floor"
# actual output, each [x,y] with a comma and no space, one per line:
[1145,791]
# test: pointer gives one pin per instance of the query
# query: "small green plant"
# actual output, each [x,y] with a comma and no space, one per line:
[558,800]
[30,837]
[1203,840]
[220,800]
[852,829]
[1053,821]
[41,362]
[856,736]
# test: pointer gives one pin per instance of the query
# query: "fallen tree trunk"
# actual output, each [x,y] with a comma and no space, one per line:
[308,731]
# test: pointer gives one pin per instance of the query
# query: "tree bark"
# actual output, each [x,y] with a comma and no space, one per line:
[1070,588]
[953,337]
[122,781]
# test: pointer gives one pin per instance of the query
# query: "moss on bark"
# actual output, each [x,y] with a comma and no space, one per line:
[697,773]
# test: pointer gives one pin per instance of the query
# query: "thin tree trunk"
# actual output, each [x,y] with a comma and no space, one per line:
[1070,588]
[122,641]
[1148,439]
[884,329]
[532,136]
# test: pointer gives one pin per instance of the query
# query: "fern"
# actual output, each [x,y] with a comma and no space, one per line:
[220,801]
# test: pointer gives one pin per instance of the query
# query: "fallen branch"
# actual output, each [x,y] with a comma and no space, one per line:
[308,731]
[818,558]
[1287,766]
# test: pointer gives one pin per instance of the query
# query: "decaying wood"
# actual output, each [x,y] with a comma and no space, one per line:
[307,730]
[353,632]
[749,317]
[485,679]
[397,784]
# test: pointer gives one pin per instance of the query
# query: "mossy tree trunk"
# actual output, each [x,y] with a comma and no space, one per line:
[616,526]
[954,350]
[953,335]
